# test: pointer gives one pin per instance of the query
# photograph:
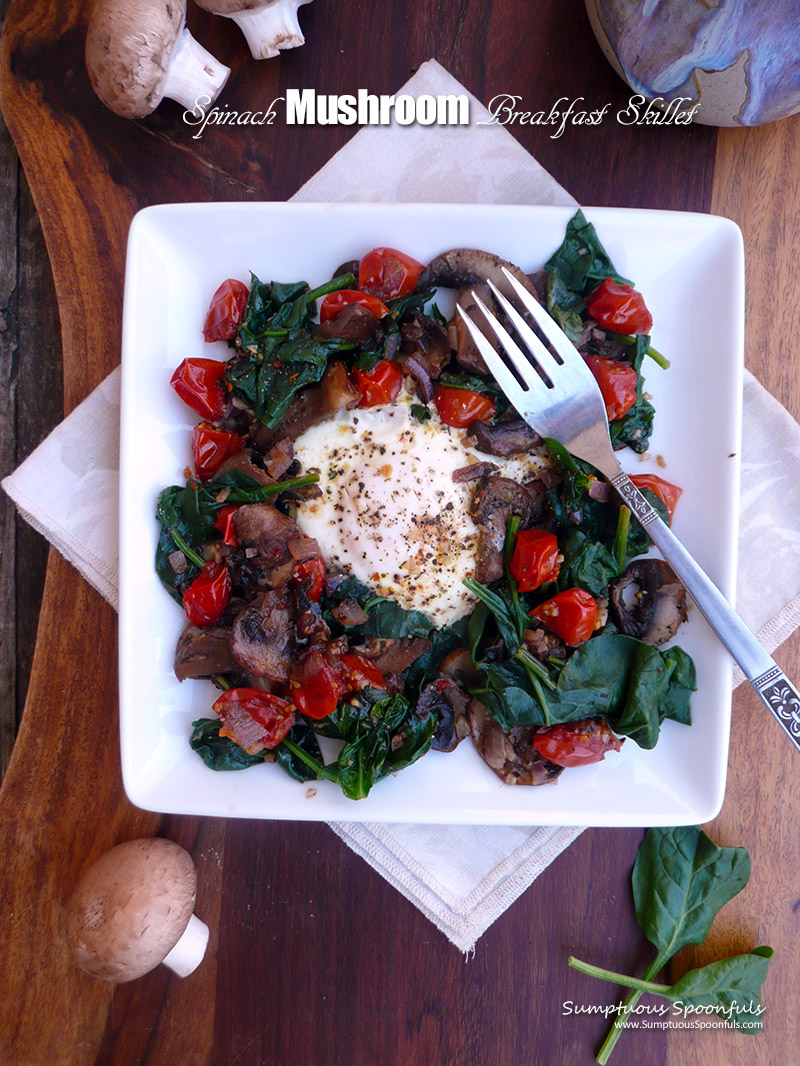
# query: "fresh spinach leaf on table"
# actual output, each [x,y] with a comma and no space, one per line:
[681,880]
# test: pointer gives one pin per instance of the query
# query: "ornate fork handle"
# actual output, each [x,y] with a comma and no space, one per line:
[773,686]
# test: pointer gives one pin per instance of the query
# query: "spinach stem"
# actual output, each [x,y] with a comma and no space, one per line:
[621,537]
[190,553]
[657,357]
[616,978]
[534,667]
[508,550]
[491,599]
[654,353]
[309,760]
[633,997]
[254,495]
[344,281]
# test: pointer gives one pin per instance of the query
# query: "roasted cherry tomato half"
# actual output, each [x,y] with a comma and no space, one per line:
[666,492]
[211,447]
[208,595]
[198,382]
[381,385]
[335,301]
[576,743]
[387,273]
[460,407]
[313,572]
[240,708]
[619,307]
[617,383]
[357,672]
[535,559]
[571,615]
[226,311]
[226,525]
[317,696]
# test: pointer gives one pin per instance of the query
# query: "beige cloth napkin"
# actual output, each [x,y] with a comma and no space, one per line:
[461,877]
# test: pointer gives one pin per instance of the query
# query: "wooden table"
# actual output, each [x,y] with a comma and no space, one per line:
[314,959]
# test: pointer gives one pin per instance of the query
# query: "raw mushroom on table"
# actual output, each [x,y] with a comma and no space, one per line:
[133,909]
[268,25]
[139,51]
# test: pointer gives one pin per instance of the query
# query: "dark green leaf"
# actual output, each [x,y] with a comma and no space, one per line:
[581,259]
[731,986]
[382,735]
[221,753]
[587,564]
[680,881]
[676,703]
[304,736]
[640,718]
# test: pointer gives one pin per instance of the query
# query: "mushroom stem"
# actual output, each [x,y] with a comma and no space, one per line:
[188,953]
[194,74]
[269,29]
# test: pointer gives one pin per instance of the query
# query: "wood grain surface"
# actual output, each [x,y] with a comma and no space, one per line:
[314,958]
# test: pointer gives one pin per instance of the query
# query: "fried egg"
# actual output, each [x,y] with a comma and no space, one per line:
[390,512]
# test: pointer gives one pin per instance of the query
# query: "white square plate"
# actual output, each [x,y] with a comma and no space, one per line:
[690,268]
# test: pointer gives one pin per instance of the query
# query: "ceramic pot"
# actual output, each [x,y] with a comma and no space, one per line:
[739,59]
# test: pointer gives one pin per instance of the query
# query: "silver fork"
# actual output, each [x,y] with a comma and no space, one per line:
[568,407]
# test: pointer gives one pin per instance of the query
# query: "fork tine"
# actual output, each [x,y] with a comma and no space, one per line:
[544,358]
[549,328]
[502,375]
[522,364]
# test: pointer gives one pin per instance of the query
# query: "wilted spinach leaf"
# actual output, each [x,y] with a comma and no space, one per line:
[383,734]
[581,260]
[221,753]
[279,350]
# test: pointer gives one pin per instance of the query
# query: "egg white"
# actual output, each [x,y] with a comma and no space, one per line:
[390,512]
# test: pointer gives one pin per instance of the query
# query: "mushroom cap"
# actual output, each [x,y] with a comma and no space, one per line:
[128,51]
[130,908]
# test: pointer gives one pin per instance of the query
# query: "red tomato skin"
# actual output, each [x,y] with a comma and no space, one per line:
[208,595]
[576,743]
[226,311]
[460,407]
[619,307]
[226,525]
[380,385]
[334,302]
[535,559]
[276,715]
[665,490]
[318,696]
[211,447]
[617,383]
[198,383]
[313,571]
[387,273]
[357,672]
[571,615]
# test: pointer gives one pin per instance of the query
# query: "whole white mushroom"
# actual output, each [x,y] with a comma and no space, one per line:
[133,909]
[139,51]
[269,26]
